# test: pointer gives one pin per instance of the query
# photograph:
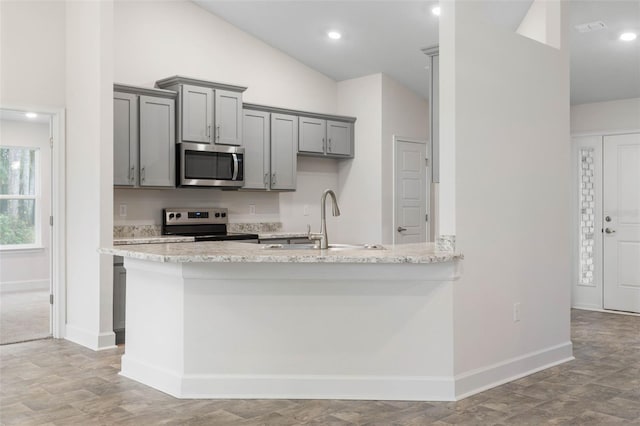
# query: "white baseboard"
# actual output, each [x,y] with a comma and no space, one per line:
[27,285]
[606,311]
[88,339]
[203,386]
[481,379]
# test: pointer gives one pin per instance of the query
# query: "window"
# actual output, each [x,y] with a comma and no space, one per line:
[19,198]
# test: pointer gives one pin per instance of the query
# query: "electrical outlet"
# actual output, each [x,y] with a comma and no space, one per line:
[305,210]
[252,209]
[516,312]
[123,210]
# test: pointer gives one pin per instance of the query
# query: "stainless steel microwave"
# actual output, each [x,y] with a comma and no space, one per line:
[210,165]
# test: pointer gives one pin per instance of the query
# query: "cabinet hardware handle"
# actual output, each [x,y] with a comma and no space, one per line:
[209,132]
[266,179]
[143,175]
[132,174]
[273,179]
[329,145]
[400,229]
[324,145]
[218,132]
[610,231]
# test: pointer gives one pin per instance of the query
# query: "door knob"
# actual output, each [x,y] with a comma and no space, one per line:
[610,231]
[400,229]
[608,218]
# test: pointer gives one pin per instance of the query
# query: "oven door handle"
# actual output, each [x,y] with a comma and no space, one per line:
[235,167]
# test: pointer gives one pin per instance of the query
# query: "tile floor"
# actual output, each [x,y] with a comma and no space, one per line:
[24,315]
[60,383]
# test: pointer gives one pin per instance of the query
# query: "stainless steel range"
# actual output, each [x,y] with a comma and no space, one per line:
[204,224]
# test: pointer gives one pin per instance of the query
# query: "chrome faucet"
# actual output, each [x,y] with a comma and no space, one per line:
[321,238]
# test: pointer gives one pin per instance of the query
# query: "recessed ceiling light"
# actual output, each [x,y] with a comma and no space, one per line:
[334,35]
[31,115]
[628,36]
[436,10]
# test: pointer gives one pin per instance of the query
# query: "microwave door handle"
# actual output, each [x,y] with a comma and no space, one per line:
[235,167]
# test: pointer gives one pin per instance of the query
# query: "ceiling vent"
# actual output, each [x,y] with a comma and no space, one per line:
[591,26]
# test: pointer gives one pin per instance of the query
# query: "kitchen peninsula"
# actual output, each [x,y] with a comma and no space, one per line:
[239,320]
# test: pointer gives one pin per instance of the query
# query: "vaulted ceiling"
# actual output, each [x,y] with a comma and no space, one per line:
[388,36]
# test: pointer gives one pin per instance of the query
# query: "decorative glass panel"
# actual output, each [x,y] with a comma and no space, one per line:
[587,216]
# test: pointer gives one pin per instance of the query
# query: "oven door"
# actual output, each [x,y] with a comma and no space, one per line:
[210,165]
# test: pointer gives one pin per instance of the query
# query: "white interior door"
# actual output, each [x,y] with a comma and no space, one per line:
[410,191]
[621,222]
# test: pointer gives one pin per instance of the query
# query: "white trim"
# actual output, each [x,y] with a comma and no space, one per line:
[26,285]
[200,386]
[606,311]
[22,248]
[58,231]
[86,338]
[481,379]
[428,209]
[605,133]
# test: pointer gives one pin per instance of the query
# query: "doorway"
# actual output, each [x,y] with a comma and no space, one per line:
[607,222]
[410,193]
[26,250]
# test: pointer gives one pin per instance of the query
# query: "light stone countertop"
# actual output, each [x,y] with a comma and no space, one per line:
[158,239]
[281,235]
[236,252]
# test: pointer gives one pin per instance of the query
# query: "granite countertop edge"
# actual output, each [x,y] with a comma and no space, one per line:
[254,253]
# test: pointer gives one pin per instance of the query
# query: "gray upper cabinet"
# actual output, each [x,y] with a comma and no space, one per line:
[257,149]
[197,114]
[125,139]
[208,112]
[339,138]
[284,147]
[328,138]
[157,142]
[312,135]
[144,137]
[228,114]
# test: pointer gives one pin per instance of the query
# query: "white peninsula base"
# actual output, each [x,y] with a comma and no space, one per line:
[291,330]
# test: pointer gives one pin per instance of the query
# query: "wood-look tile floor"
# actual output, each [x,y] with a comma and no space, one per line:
[56,382]
[24,315]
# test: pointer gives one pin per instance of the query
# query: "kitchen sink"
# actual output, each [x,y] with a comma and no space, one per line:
[332,247]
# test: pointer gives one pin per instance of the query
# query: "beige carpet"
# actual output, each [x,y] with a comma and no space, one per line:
[24,315]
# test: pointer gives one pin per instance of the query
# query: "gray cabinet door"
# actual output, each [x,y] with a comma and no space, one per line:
[157,142]
[119,296]
[339,138]
[228,117]
[312,135]
[197,114]
[257,155]
[125,139]
[284,146]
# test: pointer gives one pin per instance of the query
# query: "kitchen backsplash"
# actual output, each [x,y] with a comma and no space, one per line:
[139,231]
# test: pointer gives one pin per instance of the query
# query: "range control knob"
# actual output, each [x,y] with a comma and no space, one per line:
[178,215]
[171,215]
[217,214]
[224,215]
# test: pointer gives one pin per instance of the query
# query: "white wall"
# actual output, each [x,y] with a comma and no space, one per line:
[196,43]
[32,53]
[619,115]
[89,99]
[403,114]
[541,24]
[29,269]
[511,136]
